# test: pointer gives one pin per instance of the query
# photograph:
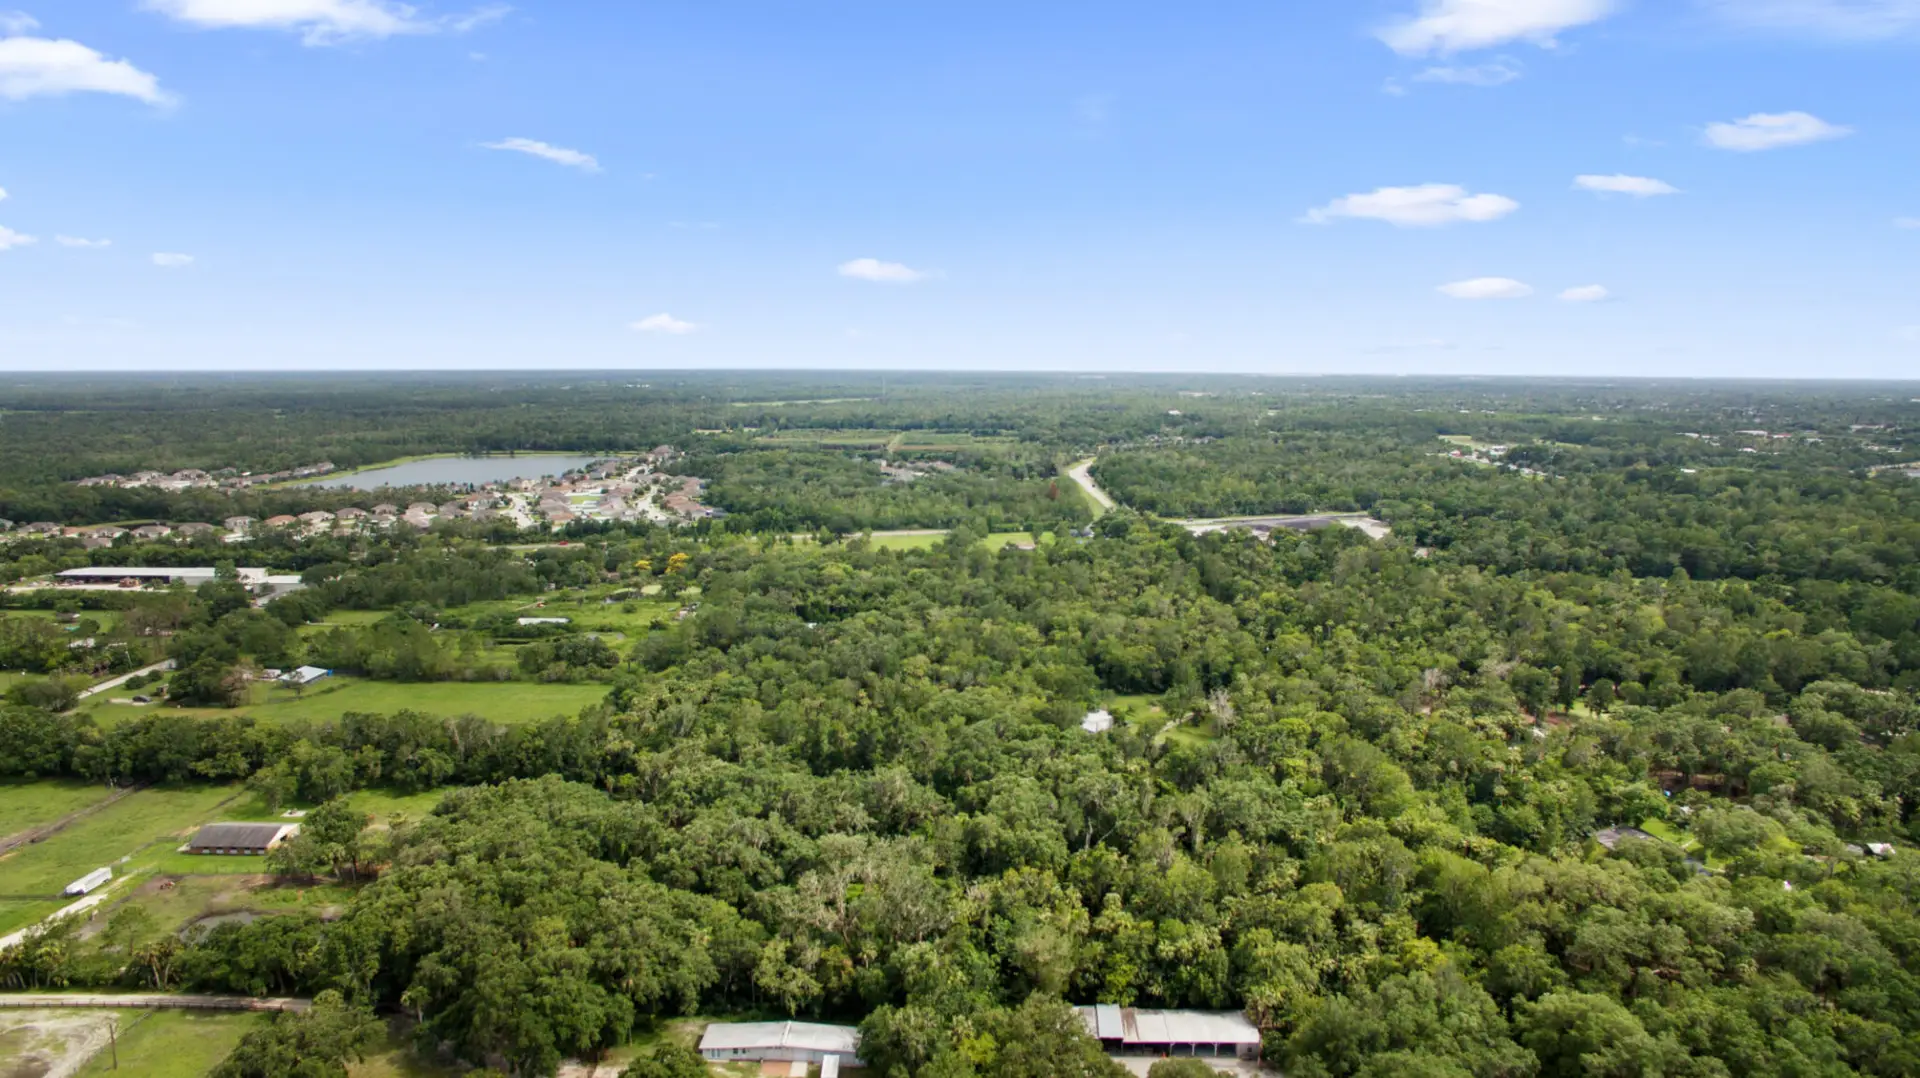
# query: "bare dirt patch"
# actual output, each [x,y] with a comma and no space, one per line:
[50,1044]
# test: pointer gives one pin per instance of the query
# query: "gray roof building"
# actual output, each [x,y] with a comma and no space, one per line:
[241,838]
[779,1042]
[1130,1030]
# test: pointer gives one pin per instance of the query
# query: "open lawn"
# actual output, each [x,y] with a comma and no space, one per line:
[173,1044]
[501,701]
[143,828]
[26,805]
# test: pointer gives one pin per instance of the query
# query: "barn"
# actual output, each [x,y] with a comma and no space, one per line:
[241,838]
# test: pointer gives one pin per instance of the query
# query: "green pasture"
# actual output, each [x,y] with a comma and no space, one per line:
[144,827]
[26,805]
[173,1044]
[829,439]
[501,701]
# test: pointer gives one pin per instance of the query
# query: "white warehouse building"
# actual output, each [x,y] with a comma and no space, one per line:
[781,1042]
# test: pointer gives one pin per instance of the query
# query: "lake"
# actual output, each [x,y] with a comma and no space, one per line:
[458,471]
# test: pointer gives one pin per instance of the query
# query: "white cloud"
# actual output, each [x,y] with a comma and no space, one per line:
[1910,334]
[664,323]
[320,22]
[474,20]
[1592,293]
[1425,206]
[872,269]
[9,239]
[559,155]
[75,241]
[1458,25]
[1498,73]
[1487,288]
[172,261]
[1906,222]
[38,67]
[3,194]
[1772,130]
[1637,186]
[17,22]
[1856,19]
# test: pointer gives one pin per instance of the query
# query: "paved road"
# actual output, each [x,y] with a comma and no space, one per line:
[1082,474]
[124,678]
[147,1001]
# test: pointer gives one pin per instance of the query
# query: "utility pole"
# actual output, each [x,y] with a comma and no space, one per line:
[113,1039]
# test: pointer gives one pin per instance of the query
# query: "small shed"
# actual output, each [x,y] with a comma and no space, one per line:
[1097,722]
[241,838]
[305,675]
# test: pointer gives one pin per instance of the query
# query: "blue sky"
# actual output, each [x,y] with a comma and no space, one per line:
[1309,185]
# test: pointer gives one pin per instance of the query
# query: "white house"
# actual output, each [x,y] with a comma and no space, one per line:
[1097,722]
[781,1042]
[305,675]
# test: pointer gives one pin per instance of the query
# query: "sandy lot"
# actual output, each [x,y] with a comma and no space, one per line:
[50,1044]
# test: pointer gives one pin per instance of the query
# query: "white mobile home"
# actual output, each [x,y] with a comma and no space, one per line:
[90,881]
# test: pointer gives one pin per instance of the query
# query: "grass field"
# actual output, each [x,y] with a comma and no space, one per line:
[143,827]
[173,1044]
[501,701]
[829,439]
[25,805]
[931,539]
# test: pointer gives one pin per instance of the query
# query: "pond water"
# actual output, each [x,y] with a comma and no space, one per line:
[458,471]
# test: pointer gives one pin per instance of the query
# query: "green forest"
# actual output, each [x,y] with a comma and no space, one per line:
[1604,761]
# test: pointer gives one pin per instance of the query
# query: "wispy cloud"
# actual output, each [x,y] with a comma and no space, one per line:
[1428,205]
[1488,288]
[324,22]
[1497,73]
[1446,26]
[1906,222]
[872,269]
[664,323]
[559,155]
[1591,293]
[39,67]
[169,260]
[9,239]
[17,22]
[76,241]
[1845,19]
[1637,186]
[1772,131]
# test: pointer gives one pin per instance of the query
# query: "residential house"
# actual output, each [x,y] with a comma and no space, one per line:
[282,521]
[1133,1031]
[152,531]
[239,525]
[317,519]
[780,1042]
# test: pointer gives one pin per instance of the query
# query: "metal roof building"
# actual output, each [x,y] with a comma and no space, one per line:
[1131,1031]
[781,1042]
[241,838]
